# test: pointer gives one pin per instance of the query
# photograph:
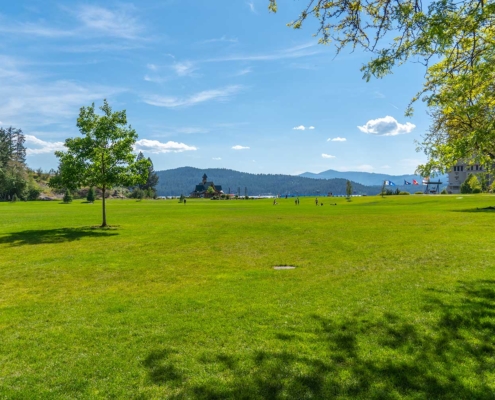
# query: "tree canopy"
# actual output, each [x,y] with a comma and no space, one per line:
[454,40]
[103,157]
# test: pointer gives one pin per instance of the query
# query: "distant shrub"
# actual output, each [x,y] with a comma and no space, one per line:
[33,193]
[418,193]
[471,184]
[67,197]
[14,198]
[182,198]
[404,193]
[444,191]
[91,195]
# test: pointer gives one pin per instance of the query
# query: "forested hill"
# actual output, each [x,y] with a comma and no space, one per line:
[183,181]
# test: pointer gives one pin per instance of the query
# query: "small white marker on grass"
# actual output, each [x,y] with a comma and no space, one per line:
[284,267]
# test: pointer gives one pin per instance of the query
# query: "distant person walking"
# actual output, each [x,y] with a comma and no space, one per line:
[298,201]
[316,201]
[184,201]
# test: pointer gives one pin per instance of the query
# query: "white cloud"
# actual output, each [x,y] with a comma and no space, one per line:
[154,146]
[385,167]
[239,147]
[304,50]
[303,128]
[327,156]
[216,158]
[184,68]
[220,39]
[337,139]
[244,71]
[364,168]
[172,102]
[152,67]
[29,103]
[35,30]
[116,22]
[251,6]
[387,126]
[38,146]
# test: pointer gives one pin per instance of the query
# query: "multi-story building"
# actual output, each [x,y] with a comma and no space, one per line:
[460,173]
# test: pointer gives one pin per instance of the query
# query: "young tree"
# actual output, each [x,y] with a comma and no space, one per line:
[348,190]
[91,195]
[67,196]
[103,157]
[152,179]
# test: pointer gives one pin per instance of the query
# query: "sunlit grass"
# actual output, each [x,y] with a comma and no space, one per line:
[390,298]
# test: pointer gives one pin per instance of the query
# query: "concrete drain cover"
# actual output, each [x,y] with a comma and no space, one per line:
[284,267]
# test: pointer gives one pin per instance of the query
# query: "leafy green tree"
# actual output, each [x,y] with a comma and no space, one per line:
[182,198]
[103,157]
[91,195]
[210,190]
[471,185]
[152,179]
[421,31]
[67,196]
[13,180]
[348,189]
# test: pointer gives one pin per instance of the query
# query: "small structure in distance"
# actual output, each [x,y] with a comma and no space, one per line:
[203,190]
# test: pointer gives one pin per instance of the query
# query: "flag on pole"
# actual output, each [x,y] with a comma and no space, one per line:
[389,183]
[415,182]
[406,182]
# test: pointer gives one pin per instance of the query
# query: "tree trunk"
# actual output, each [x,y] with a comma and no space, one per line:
[104,223]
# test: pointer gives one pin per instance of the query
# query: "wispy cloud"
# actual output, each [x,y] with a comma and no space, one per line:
[327,156]
[251,6]
[29,103]
[223,94]
[303,50]
[303,128]
[386,126]
[217,158]
[156,147]
[32,29]
[185,68]
[337,139]
[119,22]
[37,146]
[224,39]
[239,147]
[244,71]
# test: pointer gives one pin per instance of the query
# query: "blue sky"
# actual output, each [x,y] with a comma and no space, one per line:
[208,84]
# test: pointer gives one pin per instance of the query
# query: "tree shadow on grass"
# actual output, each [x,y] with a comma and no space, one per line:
[45,236]
[450,357]
[490,209]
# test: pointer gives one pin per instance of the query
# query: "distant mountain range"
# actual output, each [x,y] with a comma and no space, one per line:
[369,178]
[183,181]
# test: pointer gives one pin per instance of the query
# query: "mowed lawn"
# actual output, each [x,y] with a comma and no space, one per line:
[391,298]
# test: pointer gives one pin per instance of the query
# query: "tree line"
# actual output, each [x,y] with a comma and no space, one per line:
[17,181]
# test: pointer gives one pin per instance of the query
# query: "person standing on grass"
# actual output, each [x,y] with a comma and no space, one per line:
[184,201]
[316,201]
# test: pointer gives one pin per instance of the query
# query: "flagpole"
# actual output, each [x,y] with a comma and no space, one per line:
[383,188]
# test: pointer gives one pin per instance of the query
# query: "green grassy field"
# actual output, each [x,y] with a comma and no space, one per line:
[391,298]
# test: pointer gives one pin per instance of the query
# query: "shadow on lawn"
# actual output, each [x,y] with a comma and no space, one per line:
[490,209]
[452,357]
[42,236]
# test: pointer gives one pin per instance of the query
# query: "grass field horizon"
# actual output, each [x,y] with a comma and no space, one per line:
[391,298]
